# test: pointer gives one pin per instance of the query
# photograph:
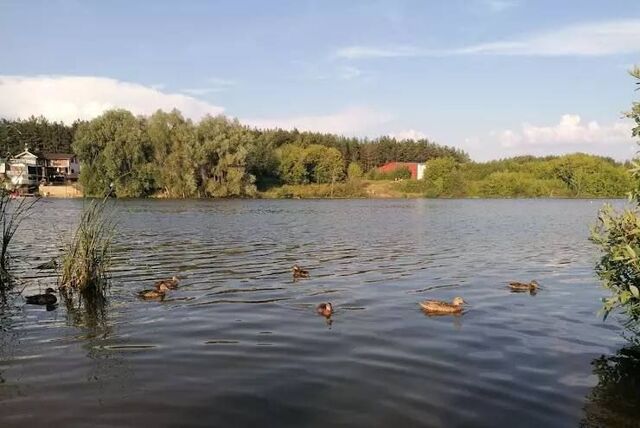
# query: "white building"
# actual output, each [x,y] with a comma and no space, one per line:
[23,169]
[26,169]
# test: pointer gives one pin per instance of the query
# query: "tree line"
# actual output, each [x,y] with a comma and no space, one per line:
[169,155]
[575,175]
[38,133]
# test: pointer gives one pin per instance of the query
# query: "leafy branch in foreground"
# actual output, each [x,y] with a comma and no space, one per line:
[618,235]
[88,256]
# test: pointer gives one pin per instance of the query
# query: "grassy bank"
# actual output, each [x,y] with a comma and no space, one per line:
[382,189]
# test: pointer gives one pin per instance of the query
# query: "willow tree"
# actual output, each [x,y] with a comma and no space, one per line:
[221,158]
[173,140]
[114,150]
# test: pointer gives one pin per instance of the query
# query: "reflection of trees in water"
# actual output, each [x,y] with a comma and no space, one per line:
[615,400]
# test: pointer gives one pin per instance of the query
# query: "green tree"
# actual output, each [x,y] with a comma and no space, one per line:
[221,158]
[443,177]
[114,149]
[323,164]
[354,171]
[618,235]
[292,169]
[174,143]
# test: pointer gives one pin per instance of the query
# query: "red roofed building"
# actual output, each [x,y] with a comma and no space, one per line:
[416,168]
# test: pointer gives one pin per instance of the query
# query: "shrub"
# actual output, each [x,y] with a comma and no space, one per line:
[618,235]
[354,171]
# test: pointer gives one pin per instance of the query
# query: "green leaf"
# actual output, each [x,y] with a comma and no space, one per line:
[634,290]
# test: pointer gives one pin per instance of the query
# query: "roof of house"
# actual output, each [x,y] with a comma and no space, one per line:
[24,153]
[51,156]
[394,163]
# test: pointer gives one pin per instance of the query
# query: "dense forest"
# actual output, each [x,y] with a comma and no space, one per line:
[39,134]
[168,155]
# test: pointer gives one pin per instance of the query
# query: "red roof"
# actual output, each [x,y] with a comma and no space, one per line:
[392,166]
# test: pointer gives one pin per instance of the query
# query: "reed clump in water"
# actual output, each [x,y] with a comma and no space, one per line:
[12,213]
[86,259]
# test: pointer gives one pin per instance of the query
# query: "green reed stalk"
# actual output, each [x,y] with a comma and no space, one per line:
[86,260]
[12,213]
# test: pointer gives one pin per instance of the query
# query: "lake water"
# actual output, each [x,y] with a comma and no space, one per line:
[240,344]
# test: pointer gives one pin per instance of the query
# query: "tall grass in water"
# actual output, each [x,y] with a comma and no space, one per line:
[12,213]
[86,259]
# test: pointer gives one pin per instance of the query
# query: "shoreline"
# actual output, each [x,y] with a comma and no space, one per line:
[364,189]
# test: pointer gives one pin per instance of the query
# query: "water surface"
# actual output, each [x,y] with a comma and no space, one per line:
[240,344]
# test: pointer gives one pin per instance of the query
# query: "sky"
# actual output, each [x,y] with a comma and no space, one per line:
[496,78]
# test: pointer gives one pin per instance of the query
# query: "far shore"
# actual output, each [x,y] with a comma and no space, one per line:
[363,189]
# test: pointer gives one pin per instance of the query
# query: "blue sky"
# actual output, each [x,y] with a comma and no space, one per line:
[494,77]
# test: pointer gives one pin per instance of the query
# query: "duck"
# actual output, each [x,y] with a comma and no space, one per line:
[325,309]
[51,264]
[531,287]
[48,298]
[155,293]
[299,273]
[171,283]
[441,307]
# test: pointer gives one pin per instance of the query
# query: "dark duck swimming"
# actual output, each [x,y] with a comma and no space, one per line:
[531,287]
[48,298]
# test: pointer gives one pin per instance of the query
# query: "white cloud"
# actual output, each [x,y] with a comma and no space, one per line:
[587,39]
[570,134]
[603,38]
[68,98]
[570,130]
[316,71]
[497,6]
[409,134]
[350,121]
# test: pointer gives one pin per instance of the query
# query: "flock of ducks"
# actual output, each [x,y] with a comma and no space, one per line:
[439,307]
[431,307]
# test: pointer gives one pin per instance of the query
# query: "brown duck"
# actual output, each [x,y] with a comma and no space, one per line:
[531,287]
[155,293]
[299,273]
[440,307]
[48,298]
[171,283]
[325,309]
